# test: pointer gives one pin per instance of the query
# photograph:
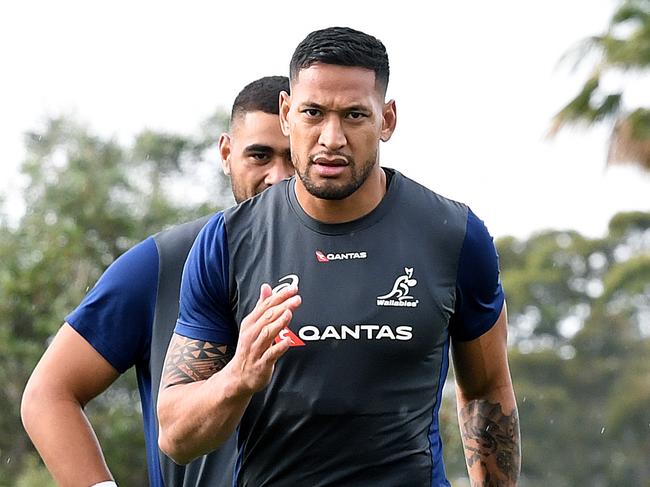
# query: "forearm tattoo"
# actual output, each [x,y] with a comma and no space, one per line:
[491,443]
[194,360]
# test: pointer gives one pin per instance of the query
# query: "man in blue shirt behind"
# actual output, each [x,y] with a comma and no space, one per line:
[127,319]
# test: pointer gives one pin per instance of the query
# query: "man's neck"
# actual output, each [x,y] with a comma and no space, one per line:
[358,204]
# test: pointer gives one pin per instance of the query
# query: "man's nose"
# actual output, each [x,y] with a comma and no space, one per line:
[332,135]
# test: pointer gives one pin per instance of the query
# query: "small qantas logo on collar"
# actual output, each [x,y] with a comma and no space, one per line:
[323,257]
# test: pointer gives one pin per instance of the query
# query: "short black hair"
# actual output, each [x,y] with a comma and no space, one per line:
[262,95]
[342,46]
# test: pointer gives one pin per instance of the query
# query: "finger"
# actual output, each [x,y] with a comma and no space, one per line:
[265,292]
[259,335]
[271,311]
[272,354]
[267,300]
[268,333]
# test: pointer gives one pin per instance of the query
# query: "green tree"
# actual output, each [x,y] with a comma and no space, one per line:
[88,200]
[623,48]
[579,312]
[580,393]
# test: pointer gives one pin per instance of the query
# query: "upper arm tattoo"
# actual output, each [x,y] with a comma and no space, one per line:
[491,443]
[191,360]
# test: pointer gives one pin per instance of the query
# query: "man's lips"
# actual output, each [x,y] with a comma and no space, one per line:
[326,161]
[329,167]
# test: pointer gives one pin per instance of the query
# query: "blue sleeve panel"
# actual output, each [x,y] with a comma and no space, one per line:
[116,316]
[204,312]
[479,295]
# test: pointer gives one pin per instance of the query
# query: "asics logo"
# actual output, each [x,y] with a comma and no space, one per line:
[287,281]
[286,334]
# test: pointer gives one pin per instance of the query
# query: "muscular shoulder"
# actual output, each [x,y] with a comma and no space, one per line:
[116,315]
[480,295]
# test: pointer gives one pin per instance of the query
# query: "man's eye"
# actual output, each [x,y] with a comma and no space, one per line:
[356,115]
[259,157]
[311,112]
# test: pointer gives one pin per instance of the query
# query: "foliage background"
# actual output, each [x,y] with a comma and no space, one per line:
[88,200]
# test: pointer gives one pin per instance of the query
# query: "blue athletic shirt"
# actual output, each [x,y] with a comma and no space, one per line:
[116,318]
[128,317]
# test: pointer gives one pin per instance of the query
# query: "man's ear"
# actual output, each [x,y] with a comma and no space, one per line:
[389,120]
[225,151]
[285,106]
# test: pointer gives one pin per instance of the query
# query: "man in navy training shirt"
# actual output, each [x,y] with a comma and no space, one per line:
[127,320]
[341,384]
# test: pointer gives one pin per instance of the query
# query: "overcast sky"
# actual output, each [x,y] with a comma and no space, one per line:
[476,85]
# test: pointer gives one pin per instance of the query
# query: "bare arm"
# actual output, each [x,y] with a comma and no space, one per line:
[206,387]
[70,373]
[487,409]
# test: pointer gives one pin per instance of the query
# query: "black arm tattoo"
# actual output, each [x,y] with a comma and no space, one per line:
[491,442]
[193,360]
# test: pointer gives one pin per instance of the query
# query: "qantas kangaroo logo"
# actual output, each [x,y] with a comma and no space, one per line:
[399,295]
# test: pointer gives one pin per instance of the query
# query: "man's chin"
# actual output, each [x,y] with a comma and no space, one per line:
[330,190]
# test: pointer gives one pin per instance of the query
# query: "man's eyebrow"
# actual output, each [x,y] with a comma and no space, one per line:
[350,108]
[311,104]
[357,108]
[258,148]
